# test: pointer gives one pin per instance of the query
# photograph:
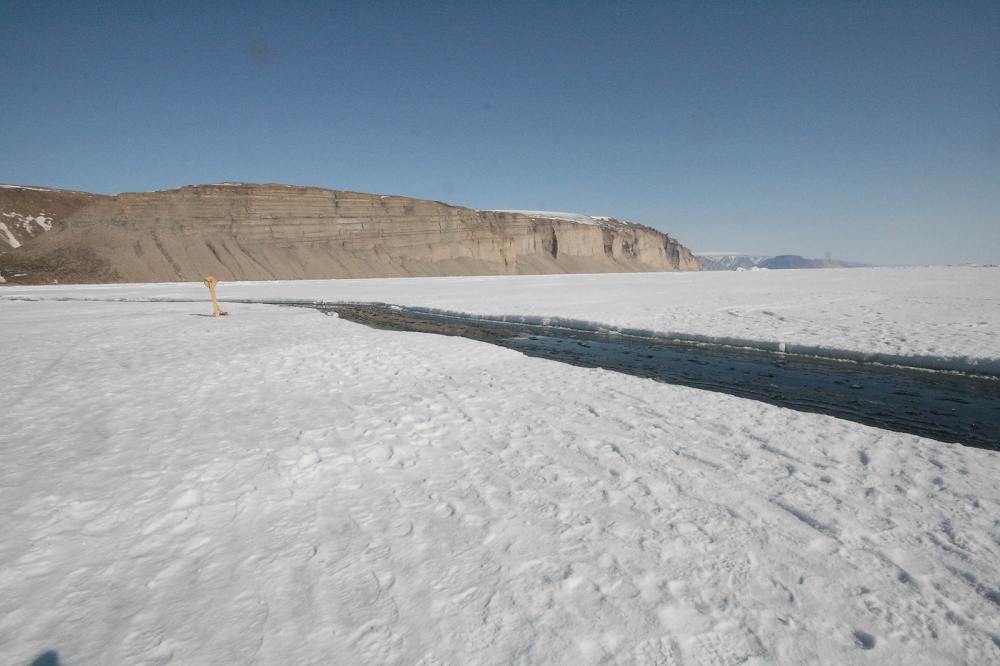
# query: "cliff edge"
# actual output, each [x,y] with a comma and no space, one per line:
[240,231]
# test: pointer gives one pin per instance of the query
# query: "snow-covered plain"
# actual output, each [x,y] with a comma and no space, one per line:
[278,486]
[938,317]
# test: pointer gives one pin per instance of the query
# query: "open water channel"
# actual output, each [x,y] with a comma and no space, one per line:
[946,406]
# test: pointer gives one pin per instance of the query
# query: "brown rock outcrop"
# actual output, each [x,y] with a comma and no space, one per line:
[264,232]
[27,212]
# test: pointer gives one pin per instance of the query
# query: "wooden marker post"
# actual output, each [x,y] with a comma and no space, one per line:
[210,282]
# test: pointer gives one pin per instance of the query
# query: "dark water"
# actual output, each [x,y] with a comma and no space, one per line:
[944,406]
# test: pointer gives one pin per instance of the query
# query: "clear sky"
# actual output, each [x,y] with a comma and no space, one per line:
[868,130]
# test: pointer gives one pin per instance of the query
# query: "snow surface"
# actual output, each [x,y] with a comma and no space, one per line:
[278,486]
[25,187]
[579,218]
[940,317]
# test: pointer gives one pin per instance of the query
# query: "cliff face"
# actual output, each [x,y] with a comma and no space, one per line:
[262,232]
[27,212]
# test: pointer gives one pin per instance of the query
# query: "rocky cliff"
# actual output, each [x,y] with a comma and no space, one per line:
[27,212]
[262,232]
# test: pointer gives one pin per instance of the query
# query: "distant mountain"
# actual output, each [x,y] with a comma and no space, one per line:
[730,262]
[721,261]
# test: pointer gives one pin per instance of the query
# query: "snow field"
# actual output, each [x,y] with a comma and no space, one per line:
[940,318]
[279,486]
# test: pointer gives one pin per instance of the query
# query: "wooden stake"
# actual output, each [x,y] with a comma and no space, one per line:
[210,282]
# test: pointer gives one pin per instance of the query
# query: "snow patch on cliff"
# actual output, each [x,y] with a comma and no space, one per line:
[25,221]
[25,187]
[578,218]
[9,236]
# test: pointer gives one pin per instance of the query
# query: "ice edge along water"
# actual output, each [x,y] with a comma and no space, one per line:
[947,316]
[989,367]
[983,366]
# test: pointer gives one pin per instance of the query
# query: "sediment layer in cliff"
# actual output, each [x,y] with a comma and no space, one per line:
[268,232]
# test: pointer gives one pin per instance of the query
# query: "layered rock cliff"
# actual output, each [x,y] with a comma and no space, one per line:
[262,232]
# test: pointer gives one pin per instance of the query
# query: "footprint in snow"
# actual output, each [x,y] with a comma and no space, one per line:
[189,499]
[445,510]
[662,651]
[400,527]
[303,457]
[720,648]
[319,438]
[379,453]
[864,640]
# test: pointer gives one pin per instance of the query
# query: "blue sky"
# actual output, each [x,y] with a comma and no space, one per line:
[867,130]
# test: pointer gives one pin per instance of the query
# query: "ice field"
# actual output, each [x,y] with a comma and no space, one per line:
[279,486]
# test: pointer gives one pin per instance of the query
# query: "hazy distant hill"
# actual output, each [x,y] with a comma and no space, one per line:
[738,262]
[240,231]
[729,262]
